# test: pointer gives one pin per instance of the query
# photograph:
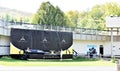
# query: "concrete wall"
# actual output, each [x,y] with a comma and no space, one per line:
[82,46]
[79,45]
[116,48]
[4,45]
[89,37]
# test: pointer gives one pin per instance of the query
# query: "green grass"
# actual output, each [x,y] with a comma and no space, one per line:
[7,61]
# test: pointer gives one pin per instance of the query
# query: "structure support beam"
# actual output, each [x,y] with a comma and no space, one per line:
[112,42]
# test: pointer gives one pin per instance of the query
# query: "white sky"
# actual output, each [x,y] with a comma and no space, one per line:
[65,5]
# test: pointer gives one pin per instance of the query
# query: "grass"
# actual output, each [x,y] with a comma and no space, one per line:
[7,61]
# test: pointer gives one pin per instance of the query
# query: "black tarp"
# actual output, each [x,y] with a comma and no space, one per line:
[41,39]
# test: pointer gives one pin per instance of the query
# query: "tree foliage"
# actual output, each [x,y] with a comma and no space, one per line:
[72,17]
[95,17]
[50,15]
[112,8]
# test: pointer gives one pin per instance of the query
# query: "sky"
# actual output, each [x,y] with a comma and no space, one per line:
[65,5]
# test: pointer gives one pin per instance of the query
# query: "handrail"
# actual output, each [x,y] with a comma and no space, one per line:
[10,25]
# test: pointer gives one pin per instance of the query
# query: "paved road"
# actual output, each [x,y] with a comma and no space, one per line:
[58,68]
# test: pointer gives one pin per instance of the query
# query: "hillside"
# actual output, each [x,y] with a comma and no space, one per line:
[13,12]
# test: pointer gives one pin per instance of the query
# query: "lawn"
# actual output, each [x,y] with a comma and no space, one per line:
[7,61]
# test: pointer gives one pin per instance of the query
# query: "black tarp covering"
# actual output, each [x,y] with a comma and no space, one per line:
[41,40]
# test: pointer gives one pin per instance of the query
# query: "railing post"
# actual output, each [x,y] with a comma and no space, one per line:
[51,27]
[64,29]
[58,28]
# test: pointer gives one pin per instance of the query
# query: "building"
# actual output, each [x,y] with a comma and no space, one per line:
[83,38]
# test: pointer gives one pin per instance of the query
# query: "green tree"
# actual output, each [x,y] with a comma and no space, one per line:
[50,15]
[112,8]
[96,12]
[95,17]
[7,17]
[73,18]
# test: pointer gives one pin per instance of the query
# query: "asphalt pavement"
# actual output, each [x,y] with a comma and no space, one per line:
[58,68]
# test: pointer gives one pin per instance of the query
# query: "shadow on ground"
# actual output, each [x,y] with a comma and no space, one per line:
[74,59]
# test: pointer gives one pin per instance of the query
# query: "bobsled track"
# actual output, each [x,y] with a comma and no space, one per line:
[40,42]
[49,41]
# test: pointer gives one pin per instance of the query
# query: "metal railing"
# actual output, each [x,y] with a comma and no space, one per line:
[58,28]
[6,26]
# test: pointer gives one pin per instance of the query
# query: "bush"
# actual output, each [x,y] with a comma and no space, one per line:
[78,58]
[113,60]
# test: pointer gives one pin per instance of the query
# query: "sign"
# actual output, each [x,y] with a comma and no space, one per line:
[113,22]
[22,39]
[91,46]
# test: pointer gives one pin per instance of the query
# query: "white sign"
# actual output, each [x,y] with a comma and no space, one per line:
[113,22]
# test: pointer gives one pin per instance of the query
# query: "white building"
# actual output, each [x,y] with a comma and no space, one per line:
[83,39]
